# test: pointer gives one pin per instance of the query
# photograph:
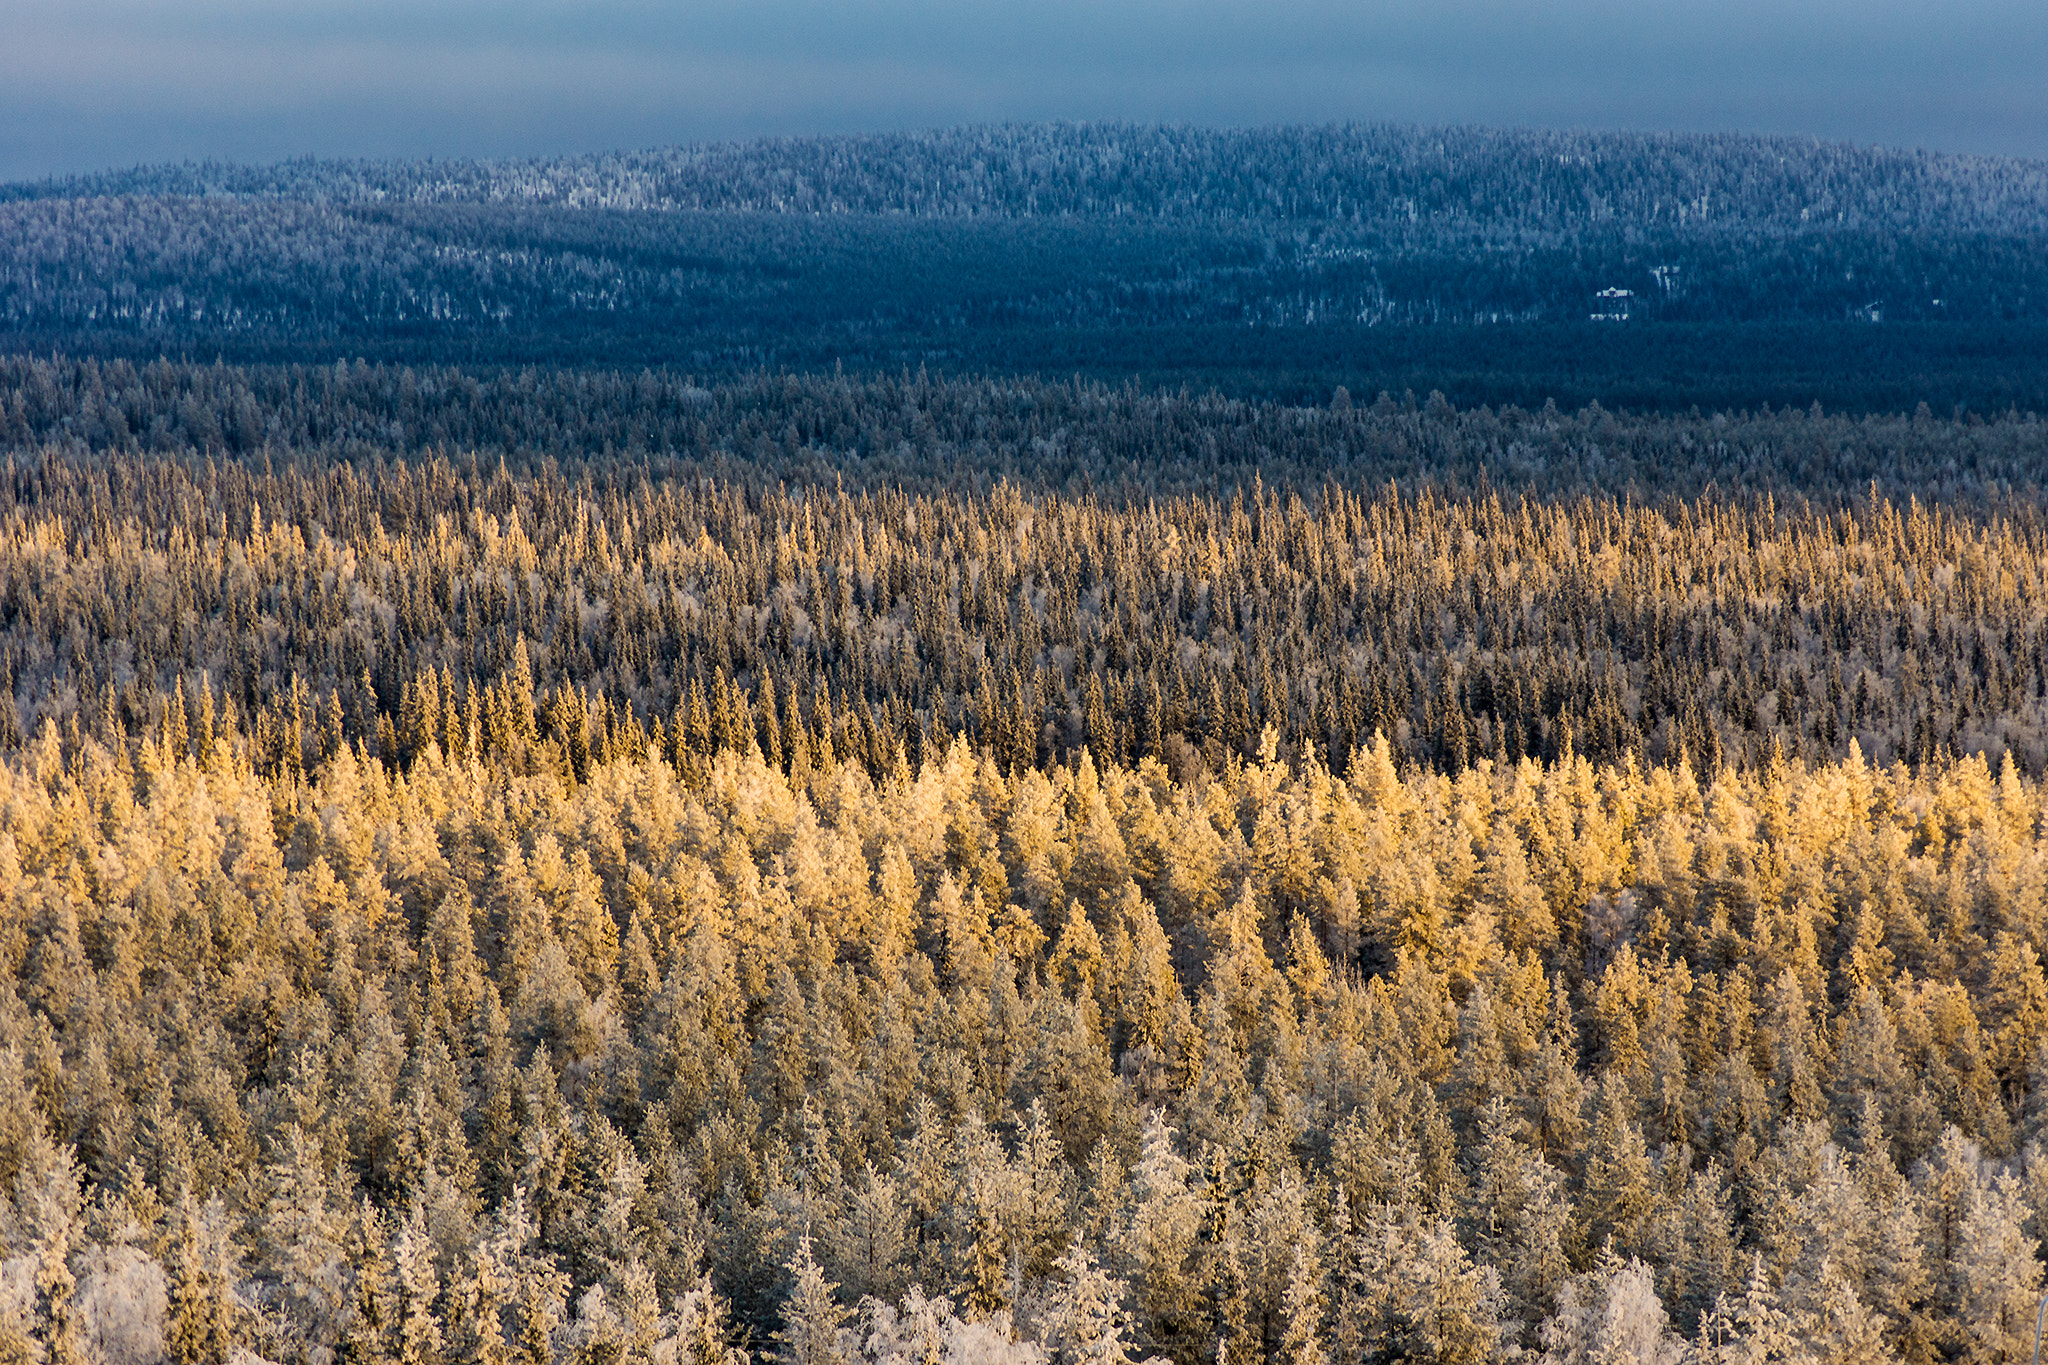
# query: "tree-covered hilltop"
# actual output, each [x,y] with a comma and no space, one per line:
[1284,258]
[1493,183]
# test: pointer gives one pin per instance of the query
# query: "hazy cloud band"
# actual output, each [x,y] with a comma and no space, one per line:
[113,82]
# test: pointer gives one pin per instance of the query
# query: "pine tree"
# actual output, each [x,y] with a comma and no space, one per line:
[205,1312]
[812,1318]
[1301,1338]
[48,1203]
[1453,1308]
[1040,1179]
[1084,1318]
[301,1247]
[585,926]
[1751,1329]
[895,934]
[417,1337]
[870,1238]
[1622,1198]
[1702,1265]
[1842,1331]
[2000,1272]
[1795,1085]
[1516,1213]
[1150,998]
[1414,1294]
[1517,902]
[1610,1313]
[373,1309]
[702,1329]
[1555,1093]
[479,1296]
[1077,958]
[1156,1244]
[538,1289]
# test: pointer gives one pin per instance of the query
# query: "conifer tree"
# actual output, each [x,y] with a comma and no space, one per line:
[2000,1272]
[702,1327]
[1621,1198]
[302,1246]
[1157,1243]
[49,1201]
[1752,1328]
[1610,1313]
[1084,1320]
[1842,1331]
[417,1336]
[870,1238]
[205,1311]
[812,1318]
[1301,1338]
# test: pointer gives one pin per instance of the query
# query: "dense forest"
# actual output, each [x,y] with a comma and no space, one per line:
[1072,567]
[925,433]
[582,868]
[1277,261]
[459,1059]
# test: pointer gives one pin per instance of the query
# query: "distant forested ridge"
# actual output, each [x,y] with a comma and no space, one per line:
[1302,257]
[1498,182]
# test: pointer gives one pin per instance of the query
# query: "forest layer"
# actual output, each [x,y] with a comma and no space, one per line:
[695,600]
[443,1061]
[920,432]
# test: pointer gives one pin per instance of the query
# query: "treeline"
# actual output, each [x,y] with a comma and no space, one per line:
[464,1060]
[928,433]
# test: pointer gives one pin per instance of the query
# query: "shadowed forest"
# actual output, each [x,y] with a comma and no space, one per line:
[1275,262]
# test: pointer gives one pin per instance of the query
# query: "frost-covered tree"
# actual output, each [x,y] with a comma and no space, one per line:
[813,1324]
[207,1315]
[1155,1244]
[1084,1321]
[1610,1313]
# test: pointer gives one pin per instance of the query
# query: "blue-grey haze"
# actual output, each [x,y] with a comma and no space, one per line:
[89,84]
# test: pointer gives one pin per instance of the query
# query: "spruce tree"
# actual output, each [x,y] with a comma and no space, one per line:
[812,1318]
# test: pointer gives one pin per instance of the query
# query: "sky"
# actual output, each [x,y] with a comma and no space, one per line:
[98,84]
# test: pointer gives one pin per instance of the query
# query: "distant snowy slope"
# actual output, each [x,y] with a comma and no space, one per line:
[1524,183]
[1108,248]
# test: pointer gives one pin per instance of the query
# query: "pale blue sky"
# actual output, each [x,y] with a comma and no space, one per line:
[92,84]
